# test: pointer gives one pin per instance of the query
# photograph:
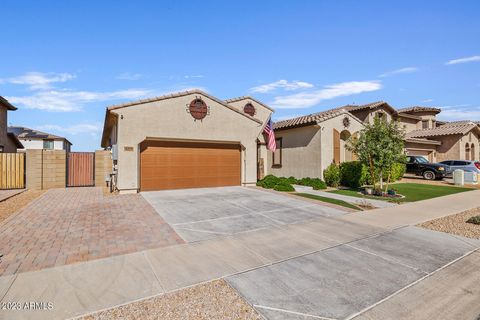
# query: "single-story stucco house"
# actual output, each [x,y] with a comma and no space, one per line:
[186,140]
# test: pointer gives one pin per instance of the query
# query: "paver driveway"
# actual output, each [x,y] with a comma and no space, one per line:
[200,214]
[65,226]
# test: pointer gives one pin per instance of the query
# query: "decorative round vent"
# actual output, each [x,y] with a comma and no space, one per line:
[198,109]
[346,122]
[249,109]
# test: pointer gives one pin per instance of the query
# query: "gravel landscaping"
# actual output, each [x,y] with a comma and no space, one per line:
[15,203]
[214,300]
[456,224]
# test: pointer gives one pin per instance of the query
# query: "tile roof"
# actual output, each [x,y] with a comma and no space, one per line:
[310,119]
[420,109]
[444,130]
[423,141]
[27,133]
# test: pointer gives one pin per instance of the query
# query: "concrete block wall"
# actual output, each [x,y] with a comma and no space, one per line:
[103,167]
[45,169]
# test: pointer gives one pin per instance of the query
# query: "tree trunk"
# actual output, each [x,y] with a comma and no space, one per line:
[381,180]
[372,171]
[388,181]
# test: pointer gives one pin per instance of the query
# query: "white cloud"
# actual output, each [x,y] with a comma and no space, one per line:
[282,84]
[463,60]
[193,76]
[309,99]
[129,76]
[460,112]
[427,100]
[70,100]
[399,71]
[92,129]
[38,80]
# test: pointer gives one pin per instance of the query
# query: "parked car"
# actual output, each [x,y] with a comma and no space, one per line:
[420,166]
[465,165]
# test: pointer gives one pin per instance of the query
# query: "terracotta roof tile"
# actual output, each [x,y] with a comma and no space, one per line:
[419,109]
[309,119]
[444,130]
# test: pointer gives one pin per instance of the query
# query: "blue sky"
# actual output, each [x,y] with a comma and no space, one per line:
[62,63]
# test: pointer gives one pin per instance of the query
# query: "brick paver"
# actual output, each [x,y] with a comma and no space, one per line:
[78,224]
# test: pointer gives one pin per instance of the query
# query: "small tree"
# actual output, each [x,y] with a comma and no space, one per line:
[379,146]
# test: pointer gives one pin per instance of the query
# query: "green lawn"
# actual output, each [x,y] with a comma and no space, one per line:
[329,200]
[411,191]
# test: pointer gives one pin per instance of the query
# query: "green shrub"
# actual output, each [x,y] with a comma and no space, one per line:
[315,183]
[292,180]
[332,175]
[352,174]
[397,171]
[474,220]
[284,186]
[269,181]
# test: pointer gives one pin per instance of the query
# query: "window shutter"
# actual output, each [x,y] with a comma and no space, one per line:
[336,147]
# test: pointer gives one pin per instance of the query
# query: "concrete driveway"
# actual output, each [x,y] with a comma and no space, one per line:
[344,281]
[200,214]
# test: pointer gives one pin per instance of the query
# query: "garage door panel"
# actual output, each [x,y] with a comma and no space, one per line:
[174,165]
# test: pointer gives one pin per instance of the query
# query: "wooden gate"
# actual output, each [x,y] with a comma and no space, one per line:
[12,166]
[80,169]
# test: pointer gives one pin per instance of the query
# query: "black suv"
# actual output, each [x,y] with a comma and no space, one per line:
[421,167]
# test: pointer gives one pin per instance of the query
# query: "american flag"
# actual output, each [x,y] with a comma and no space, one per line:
[268,130]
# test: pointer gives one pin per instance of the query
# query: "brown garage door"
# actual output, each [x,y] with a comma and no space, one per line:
[176,165]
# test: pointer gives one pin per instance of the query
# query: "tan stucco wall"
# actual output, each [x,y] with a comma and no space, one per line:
[368,115]
[261,113]
[409,125]
[168,119]
[471,139]
[327,137]
[449,149]
[307,151]
[301,153]
[103,167]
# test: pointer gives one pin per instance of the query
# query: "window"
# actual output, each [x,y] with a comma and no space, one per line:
[459,163]
[380,115]
[277,155]
[47,144]
[1,148]
[425,124]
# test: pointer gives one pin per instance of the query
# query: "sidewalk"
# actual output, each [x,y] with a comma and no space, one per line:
[354,200]
[413,213]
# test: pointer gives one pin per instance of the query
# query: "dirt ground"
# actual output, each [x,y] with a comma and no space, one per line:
[456,224]
[12,205]
[214,300]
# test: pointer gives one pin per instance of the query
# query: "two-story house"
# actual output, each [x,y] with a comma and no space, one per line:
[8,141]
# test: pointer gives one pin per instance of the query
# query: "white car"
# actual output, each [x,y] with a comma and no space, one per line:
[465,165]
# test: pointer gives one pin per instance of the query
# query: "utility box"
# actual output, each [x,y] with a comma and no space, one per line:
[459,177]
[470,178]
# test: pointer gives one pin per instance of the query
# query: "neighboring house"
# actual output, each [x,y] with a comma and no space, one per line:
[8,141]
[186,140]
[310,143]
[34,139]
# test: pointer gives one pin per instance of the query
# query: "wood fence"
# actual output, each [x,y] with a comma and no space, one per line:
[12,166]
[80,169]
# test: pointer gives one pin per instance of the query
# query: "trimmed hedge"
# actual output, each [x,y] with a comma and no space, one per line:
[353,174]
[315,183]
[332,175]
[284,187]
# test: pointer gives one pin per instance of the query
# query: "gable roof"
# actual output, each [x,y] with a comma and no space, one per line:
[32,134]
[180,94]
[251,98]
[4,102]
[415,109]
[370,106]
[423,141]
[109,116]
[408,116]
[311,119]
[461,128]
